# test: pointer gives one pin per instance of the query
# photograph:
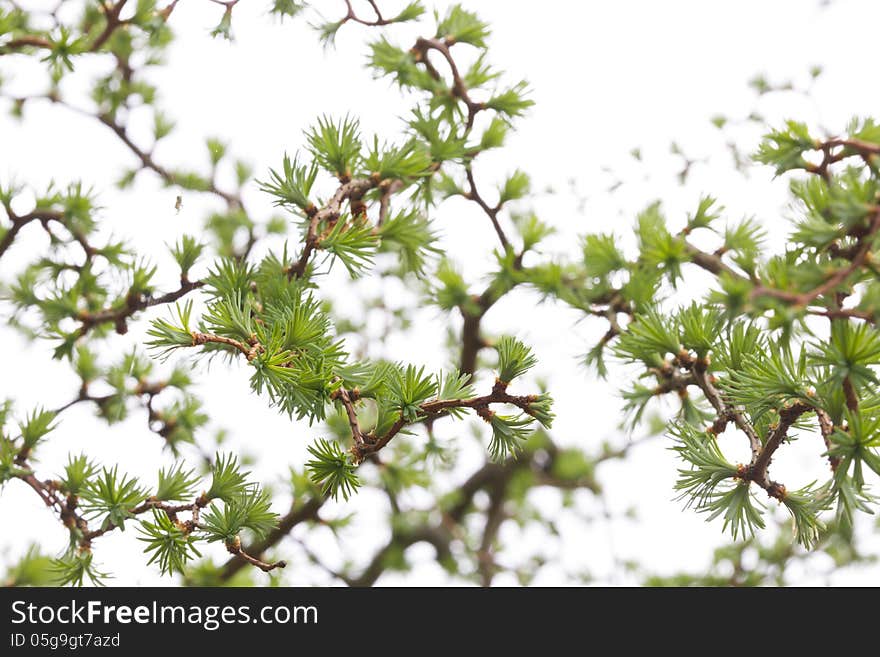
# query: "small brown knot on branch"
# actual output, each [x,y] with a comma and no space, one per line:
[776,490]
[684,358]
[234,547]
[254,351]
[702,364]
[485,413]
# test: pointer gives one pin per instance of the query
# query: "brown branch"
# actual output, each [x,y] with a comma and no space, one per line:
[353,17]
[863,148]
[844,313]
[250,350]
[147,162]
[804,298]
[385,200]
[347,399]
[669,381]
[171,510]
[27,41]
[431,409]
[849,393]
[459,88]
[724,411]
[490,212]
[20,221]
[351,191]
[711,262]
[234,547]
[858,255]
[298,513]
[437,536]
[133,303]
[471,339]
[111,15]
[47,495]
[491,477]
[826,427]
[757,470]
[495,517]
[9,236]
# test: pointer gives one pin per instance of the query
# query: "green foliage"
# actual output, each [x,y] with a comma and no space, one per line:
[807,526]
[659,248]
[75,569]
[708,211]
[227,480]
[292,187]
[739,509]
[412,160]
[112,497]
[175,483]
[335,145]
[9,468]
[186,253]
[333,469]
[494,134]
[454,386]
[850,353]
[36,426]
[784,149]
[167,336]
[744,240]
[770,379]
[223,29]
[462,26]
[169,546]
[648,339]
[707,467]
[162,125]
[452,291]
[408,388]
[531,229]
[515,187]
[34,568]
[601,255]
[700,328]
[512,102]
[514,358]
[77,474]
[63,46]
[250,509]
[409,235]
[353,242]
[508,434]
[287,8]
[755,357]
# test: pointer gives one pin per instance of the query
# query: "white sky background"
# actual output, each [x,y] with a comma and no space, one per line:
[606,77]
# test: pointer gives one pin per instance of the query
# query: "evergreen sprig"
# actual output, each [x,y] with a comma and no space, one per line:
[408,387]
[508,434]
[113,497]
[168,545]
[333,469]
[336,145]
[175,483]
[76,568]
[249,509]
[514,358]
[292,187]
[227,480]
